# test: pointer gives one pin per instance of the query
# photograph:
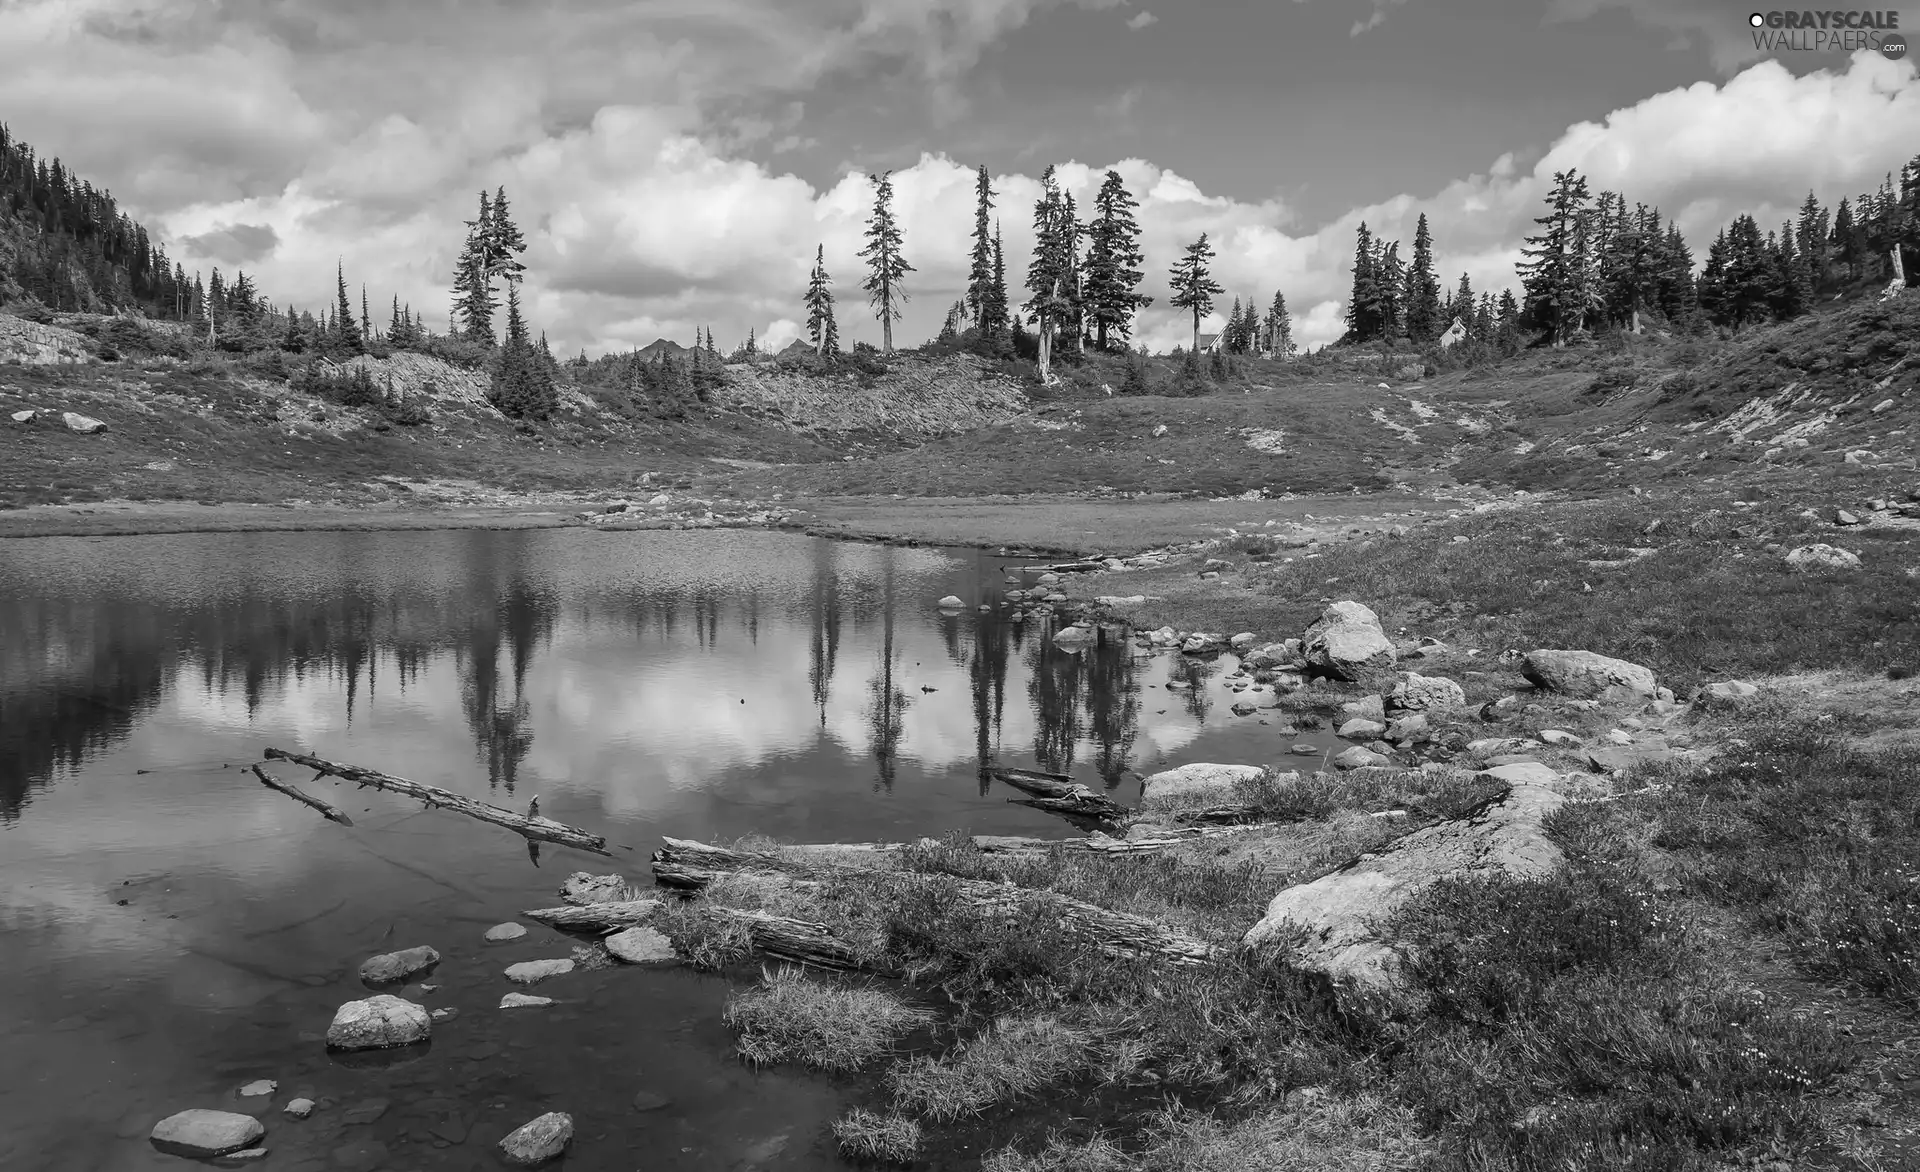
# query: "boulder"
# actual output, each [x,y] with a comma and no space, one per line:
[201,1134]
[1075,637]
[951,602]
[1271,655]
[538,1141]
[83,424]
[1418,693]
[1523,773]
[1360,729]
[1359,758]
[500,933]
[1365,708]
[259,1087]
[24,416]
[1408,727]
[1345,641]
[378,1023]
[300,1108]
[1725,694]
[529,972]
[1587,676]
[390,968]
[1197,785]
[641,945]
[523,1001]
[1242,641]
[1821,556]
[1328,921]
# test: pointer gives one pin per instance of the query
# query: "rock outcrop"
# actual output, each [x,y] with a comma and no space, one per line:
[1328,923]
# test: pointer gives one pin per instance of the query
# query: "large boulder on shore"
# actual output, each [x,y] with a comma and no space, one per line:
[1433,694]
[1327,923]
[1195,786]
[201,1134]
[1345,641]
[1586,676]
[378,1023]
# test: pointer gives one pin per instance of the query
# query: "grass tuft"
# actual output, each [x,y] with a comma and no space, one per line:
[867,1135]
[1012,1057]
[791,1017]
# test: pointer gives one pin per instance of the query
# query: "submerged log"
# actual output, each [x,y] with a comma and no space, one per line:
[595,917]
[1058,794]
[332,813]
[690,866]
[543,829]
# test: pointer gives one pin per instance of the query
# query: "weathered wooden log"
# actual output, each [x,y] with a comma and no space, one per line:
[691,866]
[1066,568]
[785,938]
[332,813]
[543,829]
[595,917]
[1057,794]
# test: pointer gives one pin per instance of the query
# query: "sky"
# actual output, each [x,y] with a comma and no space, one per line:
[675,163]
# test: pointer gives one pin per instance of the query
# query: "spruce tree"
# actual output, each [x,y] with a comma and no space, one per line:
[1050,274]
[886,267]
[1193,285]
[1843,244]
[1423,289]
[1230,337]
[819,302]
[979,297]
[997,305]
[504,242]
[1279,328]
[1361,302]
[366,318]
[346,330]
[523,385]
[1463,303]
[294,340]
[1113,272]
[1389,282]
[1552,274]
[474,301]
[396,329]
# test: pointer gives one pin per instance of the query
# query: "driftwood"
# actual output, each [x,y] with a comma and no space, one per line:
[785,938]
[1066,568]
[534,827]
[1058,794]
[595,917]
[690,866]
[332,813]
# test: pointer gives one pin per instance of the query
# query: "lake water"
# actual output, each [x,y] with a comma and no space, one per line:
[173,929]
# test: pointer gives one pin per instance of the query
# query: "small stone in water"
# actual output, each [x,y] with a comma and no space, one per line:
[649,1101]
[447,1013]
[392,967]
[518,1000]
[300,1108]
[203,1133]
[528,972]
[640,945]
[264,1086]
[507,931]
[538,1141]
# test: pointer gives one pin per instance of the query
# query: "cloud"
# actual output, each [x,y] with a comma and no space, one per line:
[235,244]
[1721,28]
[1374,21]
[1140,20]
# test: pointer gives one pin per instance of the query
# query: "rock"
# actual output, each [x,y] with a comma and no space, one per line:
[1584,675]
[445,1013]
[1358,729]
[299,1108]
[1860,456]
[1242,708]
[259,1087]
[1114,564]
[583,889]
[1048,579]
[1523,773]
[378,1023]
[529,972]
[1075,636]
[1366,708]
[523,1001]
[240,1158]
[1558,736]
[1197,785]
[951,602]
[1418,693]
[366,1111]
[1617,736]
[1242,641]
[1303,749]
[1412,726]
[660,498]
[1200,643]
[1272,655]
[1121,599]
[83,424]
[393,967]
[1336,910]
[538,1141]
[1821,556]
[649,1101]
[1842,517]
[504,932]
[1359,758]
[1728,693]
[24,416]
[1345,641]
[1159,430]
[641,945]
[201,1133]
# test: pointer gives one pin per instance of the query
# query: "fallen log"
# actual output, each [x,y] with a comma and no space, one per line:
[595,917]
[535,827]
[690,866]
[332,813]
[1057,794]
[1066,568]
[785,938]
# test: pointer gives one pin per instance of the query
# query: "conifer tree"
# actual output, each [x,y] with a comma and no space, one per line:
[819,303]
[474,301]
[523,385]
[346,330]
[1051,273]
[504,242]
[1361,302]
[1843,245]
[293,341]
[1193,285]
[1230,336]
[1390,279]
[366,318]
[1113,272]
[1279,328]
[886,267]
[997,305]
[979,297]
[1552,273]
[1422,294]
[1463,303]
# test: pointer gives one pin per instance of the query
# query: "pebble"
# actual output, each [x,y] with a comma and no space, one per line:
[264,1086]
[299,1108]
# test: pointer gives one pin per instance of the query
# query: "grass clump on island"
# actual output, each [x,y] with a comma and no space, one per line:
[790,1017]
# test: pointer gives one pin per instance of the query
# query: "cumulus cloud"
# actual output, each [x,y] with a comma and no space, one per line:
[1140,20]
[235,244]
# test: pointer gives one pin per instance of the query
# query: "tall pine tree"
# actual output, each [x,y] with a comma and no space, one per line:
[1423,289]
[1193,285]
[820,327]
[886,267]
[1365,295]
[1113,272]
[979,297]
[1552,273]
[1278,328]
